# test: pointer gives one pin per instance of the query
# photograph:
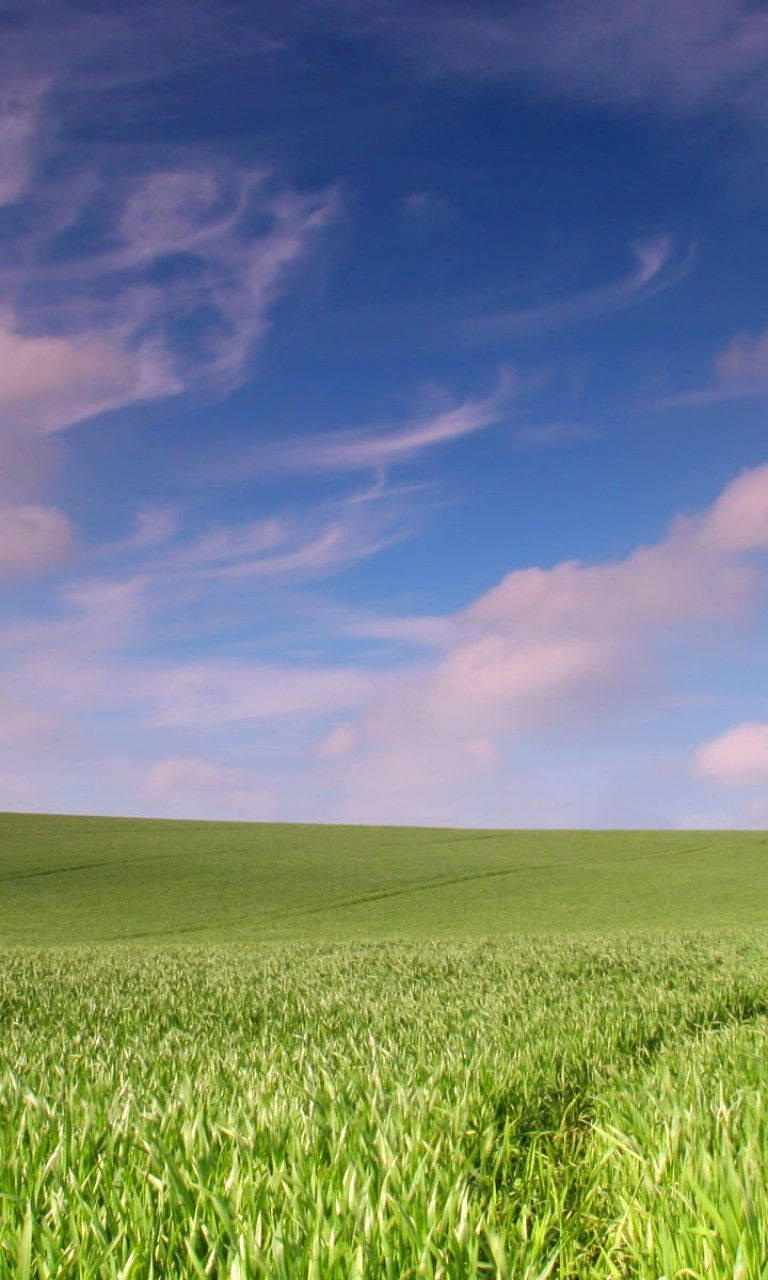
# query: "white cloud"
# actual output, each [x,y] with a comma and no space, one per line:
[683,55]
[338,743]
[374,449]
[49,382]
[738,520]
[182,772]
[20,111]
[546,650]
[426,208]
[737,758]
[154,527]
[546,647]
[658,265]
[743,364]
[33,538]
[178,292]
[23,722]
[183,786]
[740,369]
[275,549]
[18,794]
[174,290]
[212,692]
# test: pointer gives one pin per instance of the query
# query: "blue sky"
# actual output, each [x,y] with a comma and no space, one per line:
[382,411]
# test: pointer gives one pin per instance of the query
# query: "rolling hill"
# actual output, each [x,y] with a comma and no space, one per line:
[102,880]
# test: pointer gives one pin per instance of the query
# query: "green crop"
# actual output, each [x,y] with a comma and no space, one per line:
[583,1108]
[106,880]
[421,1055]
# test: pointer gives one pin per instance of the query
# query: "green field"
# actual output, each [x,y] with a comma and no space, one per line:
[240,1051]
[114,880]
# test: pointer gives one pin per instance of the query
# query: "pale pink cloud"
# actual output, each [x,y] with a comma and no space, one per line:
[743,364]
[24,722]
[79,338]
[427,632]
[737,758]
[658,265]
[276,548]
[495,683]
[18,794]
[681,55]
[155,526]
[426,208]
[738,521]
[338,743]
[173,773]
[33,539]
[207,213]
[20,123]
[552,646]
[215,692]
[184,786]
[740,370]
[375,449]
[544,649]
[49,382]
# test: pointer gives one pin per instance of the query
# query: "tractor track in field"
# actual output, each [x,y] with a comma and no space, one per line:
[81,866]
[265,917]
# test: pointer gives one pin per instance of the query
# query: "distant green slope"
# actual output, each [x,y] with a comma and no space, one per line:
[72,880]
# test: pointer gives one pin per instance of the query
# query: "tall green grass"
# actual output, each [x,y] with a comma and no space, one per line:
[491,1109]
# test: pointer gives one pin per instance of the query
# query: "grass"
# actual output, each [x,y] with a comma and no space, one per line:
[340,1075]
[66,880]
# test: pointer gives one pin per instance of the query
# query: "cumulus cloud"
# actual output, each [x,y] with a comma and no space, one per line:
[738,520]
[736,758]
[550,646]
[33,539]
[544,649]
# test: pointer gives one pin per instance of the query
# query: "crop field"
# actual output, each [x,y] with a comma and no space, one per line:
[215,1063]
[102,880]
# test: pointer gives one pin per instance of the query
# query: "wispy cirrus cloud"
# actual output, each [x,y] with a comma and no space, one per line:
[658,265]
[33,539]
[214,692]
[403,740]
[175,291]
[376,448]
[20,128]
[685,57]
[274,548]
[131,273]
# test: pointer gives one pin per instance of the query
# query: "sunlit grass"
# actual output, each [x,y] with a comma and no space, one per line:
[497,1109]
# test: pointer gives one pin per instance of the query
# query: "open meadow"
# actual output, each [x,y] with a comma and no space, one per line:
[337,1053]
